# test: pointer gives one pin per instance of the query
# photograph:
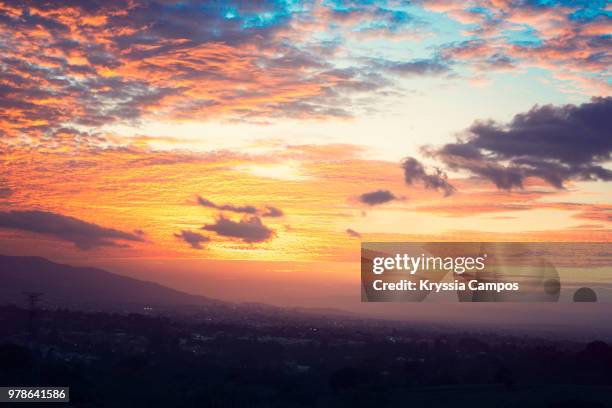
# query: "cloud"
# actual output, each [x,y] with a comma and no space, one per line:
[82,234]
[419,67]
[195,239]
[480,54]
[353,233]
[436,179]
[246,209]
[272,212]
[268,211]
[78,65]
[554,143]
[377,197]
[95,64]
[249,229]
[570,40]
[596,213]
[370,18]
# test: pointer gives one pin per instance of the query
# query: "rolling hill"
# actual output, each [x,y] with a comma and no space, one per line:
[83,287]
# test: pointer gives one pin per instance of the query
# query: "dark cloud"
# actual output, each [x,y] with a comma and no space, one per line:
[554,143]
[268,211]
[246,209]
[249,229]
[272,212]
[377,197]
[195,239]
[436,179]
[82,234]
[353,233]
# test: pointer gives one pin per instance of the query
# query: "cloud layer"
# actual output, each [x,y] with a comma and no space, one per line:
[82,65]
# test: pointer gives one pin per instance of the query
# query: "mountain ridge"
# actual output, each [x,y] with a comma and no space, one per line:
[64,284]
[83,287]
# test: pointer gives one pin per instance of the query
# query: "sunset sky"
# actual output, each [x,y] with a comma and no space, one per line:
[264,140]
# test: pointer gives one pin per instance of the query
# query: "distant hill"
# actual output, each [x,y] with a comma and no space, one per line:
[83,287]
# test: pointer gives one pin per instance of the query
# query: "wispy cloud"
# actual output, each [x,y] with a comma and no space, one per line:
[267,211]
[246,209]
[570,40]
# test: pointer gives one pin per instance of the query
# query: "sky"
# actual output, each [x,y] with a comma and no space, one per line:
[199,144]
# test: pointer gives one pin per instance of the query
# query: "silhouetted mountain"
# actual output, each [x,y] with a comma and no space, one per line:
[92,288]
[65,285]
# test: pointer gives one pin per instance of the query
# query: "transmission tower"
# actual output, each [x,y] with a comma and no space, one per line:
[32,299]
